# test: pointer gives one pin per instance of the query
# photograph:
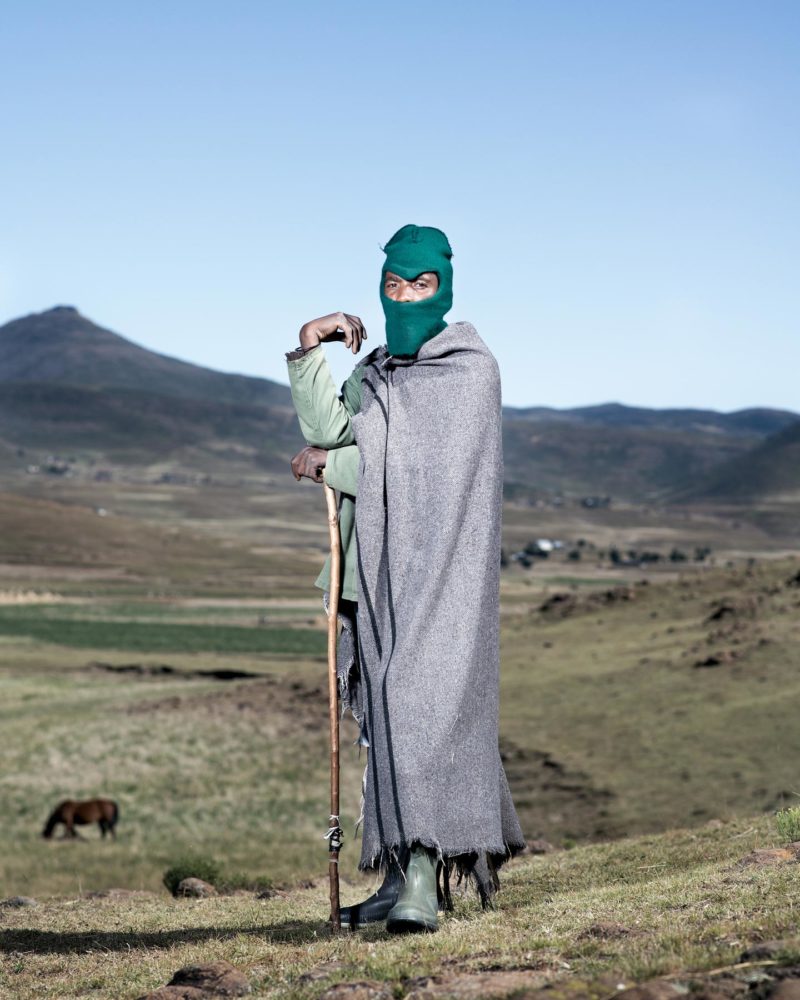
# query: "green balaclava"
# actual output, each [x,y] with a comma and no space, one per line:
[412,250]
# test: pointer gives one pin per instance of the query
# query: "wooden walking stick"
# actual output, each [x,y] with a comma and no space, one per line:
[334,834]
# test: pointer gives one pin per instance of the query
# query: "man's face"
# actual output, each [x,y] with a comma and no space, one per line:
[422,287]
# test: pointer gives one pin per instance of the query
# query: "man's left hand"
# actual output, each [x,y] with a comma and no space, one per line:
[309,463]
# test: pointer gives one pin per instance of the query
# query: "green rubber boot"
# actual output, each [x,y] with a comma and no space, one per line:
[416,908]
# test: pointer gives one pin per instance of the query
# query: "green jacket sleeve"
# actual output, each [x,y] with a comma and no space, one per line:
[323,413]
[325,422]
[341,470]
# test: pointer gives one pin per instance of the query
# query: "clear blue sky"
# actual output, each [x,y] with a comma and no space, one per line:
[620,181]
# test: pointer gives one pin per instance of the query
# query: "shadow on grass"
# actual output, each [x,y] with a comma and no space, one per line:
[76,942]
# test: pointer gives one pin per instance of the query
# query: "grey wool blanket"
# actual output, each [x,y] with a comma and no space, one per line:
[425,687]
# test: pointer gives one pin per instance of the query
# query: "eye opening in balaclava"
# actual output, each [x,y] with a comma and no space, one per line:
[412,251]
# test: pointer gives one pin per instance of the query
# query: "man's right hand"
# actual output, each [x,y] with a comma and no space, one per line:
[335,326]
[309,463]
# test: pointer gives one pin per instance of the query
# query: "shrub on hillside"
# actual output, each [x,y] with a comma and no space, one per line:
[788,821]
[191,866]
[241,880]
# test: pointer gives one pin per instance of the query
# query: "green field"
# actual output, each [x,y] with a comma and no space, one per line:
[48,625]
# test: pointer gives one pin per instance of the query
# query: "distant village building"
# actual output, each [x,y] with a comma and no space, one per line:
[594,503]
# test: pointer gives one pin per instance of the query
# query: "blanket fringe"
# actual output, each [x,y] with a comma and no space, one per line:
[348,672]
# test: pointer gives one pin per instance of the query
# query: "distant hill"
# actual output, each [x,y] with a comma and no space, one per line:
[131,426]
[627,452]
[771,470]
[622,462]
[62,346]
[67,384]
[755,421]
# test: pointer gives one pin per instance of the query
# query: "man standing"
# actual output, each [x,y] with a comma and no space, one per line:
[416,437]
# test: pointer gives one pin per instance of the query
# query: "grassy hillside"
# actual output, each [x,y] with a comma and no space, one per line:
[74,548]
[680,912]
[624,710]
[771,471]
[618,461]
[674,701]
[628,709]
[136,427]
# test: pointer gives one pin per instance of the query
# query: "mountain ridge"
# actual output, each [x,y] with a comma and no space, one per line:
[61,345]
[23,360]
[68,383]
[755,419]
[59,324]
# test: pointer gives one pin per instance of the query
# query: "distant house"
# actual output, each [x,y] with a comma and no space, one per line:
[593,503]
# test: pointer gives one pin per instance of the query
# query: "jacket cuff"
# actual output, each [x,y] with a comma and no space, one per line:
[300,352]
[341,469]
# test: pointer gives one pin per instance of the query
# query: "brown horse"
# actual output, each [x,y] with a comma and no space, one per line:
[105,812]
